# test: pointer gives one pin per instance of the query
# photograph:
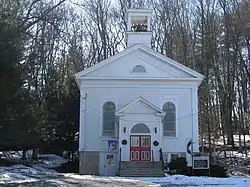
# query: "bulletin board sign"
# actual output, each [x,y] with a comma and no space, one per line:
[201,162]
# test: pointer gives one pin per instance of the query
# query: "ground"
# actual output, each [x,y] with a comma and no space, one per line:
[91,181]
[41,173]
[22,176]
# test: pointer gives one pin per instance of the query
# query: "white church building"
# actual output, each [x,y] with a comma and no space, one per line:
[137,106]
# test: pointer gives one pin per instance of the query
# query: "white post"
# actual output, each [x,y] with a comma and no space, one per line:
[195,133]
[129,23]
[148,23]
[83,122]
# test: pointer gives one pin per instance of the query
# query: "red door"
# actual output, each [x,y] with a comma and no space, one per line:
[139,148]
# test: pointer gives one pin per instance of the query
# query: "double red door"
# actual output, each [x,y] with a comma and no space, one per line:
[140,148]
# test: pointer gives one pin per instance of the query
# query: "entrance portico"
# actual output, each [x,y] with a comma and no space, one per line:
[139,127]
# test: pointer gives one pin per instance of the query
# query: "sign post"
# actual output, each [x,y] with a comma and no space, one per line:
[201,162]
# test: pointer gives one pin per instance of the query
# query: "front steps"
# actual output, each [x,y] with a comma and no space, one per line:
[141,169]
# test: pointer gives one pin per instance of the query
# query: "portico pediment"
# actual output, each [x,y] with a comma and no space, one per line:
[140,106]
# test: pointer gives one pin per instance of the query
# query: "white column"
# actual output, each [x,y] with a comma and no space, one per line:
[195,119]
[125,149]
[129,23]
[148,23]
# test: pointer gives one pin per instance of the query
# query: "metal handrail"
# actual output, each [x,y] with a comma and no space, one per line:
[153,159]
[120,159]
[162,159]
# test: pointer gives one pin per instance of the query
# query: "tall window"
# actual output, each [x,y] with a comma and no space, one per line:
[108,119]
[169,121]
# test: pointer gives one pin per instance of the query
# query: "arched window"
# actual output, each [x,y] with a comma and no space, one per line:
[140,128]
[108,119]
[169,121]
[139,69]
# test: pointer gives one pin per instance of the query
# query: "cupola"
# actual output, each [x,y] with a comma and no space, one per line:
[139,27]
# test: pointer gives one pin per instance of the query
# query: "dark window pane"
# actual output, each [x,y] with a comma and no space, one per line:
[140,128]
[169,121]
[139,68]
[108,119]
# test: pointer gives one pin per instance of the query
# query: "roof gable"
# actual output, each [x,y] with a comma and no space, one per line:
[140,105]
[158,65]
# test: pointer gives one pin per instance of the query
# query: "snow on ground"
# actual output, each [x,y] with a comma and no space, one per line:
[236,154]
[44,160]
[19,174]
[220,142]
[41,172]
[14,154]
[23,174]
[50,161]
[173,180]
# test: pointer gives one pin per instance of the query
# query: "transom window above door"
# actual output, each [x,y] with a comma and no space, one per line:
[140,128]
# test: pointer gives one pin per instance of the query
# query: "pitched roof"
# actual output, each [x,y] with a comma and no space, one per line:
[145,49]
[158,110]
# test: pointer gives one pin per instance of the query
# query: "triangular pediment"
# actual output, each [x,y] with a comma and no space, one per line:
[140,106]
[157,66]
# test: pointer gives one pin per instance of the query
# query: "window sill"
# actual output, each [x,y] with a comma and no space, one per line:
[106,138]
[170,137]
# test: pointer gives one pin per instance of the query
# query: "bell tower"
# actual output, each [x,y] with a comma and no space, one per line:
[139,27]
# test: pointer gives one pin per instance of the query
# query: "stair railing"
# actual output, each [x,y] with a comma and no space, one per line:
[153,158]
[120,159]
[162,159]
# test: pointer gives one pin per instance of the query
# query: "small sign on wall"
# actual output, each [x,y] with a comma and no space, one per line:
[201,162]
[113,145]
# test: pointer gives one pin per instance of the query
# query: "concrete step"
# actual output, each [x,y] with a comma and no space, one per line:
[141,169]
[142,164]
[140,174]
[139,162]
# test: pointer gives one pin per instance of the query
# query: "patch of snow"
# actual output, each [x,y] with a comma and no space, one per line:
[236,140]
[20,174]
[16,174]
[50,161]
[173,180]
[14,154]
[7,177]
[45,160]
[111,179]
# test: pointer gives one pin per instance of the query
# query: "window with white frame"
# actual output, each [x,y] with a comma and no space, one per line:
[169,121]
[171,156]
[108,119]
[165,157]
[174,156]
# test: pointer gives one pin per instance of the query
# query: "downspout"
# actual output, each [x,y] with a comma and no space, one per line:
[85,123]
[85,120]
[192,139]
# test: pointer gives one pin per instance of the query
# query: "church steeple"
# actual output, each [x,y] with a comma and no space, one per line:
[139,27]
